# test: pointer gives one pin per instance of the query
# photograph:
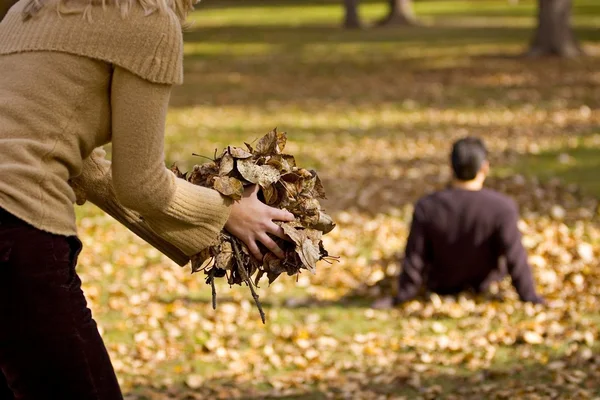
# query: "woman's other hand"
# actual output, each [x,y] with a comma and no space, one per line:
[251,220]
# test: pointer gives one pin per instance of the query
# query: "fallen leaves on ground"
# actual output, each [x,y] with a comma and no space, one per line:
[376,117]
[162,332]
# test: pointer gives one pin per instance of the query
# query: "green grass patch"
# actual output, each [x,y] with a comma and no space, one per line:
[296,13]
[579,165]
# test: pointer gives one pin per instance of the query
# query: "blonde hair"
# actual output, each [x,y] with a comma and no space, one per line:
[181,8]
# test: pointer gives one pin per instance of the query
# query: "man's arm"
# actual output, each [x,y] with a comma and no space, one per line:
[509,242]
[415,259]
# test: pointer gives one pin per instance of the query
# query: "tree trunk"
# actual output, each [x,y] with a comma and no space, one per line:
[554,35]
[351,18]
[5,5]
[400,13]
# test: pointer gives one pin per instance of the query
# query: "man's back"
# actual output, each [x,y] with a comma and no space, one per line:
[457,237]
[462,227]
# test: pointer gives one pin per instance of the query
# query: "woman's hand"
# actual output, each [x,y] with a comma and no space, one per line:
[251,220]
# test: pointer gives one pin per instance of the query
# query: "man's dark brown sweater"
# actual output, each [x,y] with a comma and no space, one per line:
[455,243]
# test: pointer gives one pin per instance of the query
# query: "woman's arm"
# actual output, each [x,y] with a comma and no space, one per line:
[95,184]
[186,215]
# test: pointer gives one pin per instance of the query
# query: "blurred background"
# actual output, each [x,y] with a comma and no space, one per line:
[371,95]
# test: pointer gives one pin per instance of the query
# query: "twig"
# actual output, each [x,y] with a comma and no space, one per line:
[213,289]
[330,259]
[200,155]
[246,278]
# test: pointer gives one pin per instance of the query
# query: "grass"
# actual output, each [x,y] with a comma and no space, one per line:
[371,107]
[297,13]
[576,165]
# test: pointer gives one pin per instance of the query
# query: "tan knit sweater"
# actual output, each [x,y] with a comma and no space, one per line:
[68,86]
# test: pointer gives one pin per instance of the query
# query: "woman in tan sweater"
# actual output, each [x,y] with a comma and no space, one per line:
[77,74]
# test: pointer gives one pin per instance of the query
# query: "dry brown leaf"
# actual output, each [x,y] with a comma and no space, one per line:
[264,175]
[239,153]
[230,187]
[226,165]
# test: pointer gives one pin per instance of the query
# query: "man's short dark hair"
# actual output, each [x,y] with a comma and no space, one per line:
[468,154]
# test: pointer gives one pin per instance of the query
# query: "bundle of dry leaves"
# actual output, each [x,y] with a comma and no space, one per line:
[282,184]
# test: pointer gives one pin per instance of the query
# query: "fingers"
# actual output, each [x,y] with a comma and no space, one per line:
[254,250]
[282,215]
[276,230]
[271,245]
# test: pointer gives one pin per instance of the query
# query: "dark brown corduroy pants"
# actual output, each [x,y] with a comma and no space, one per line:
[50,347]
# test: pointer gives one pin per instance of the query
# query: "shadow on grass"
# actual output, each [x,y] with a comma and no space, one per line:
[227,4]
[354,299]
[423,7]
[296,36]
[445,66]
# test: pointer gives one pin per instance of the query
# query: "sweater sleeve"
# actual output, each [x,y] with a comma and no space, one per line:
[186,215]
[415,260]
[509,243]
[95,184]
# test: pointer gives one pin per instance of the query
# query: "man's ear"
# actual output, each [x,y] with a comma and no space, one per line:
[485,168]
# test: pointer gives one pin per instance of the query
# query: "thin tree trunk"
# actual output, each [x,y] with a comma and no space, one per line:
[5,5]
[400,13]
[554,35]
[351,18]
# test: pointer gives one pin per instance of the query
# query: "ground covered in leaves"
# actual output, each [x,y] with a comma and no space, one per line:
[374,112]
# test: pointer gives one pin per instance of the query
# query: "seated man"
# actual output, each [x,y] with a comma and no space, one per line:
[459,235]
